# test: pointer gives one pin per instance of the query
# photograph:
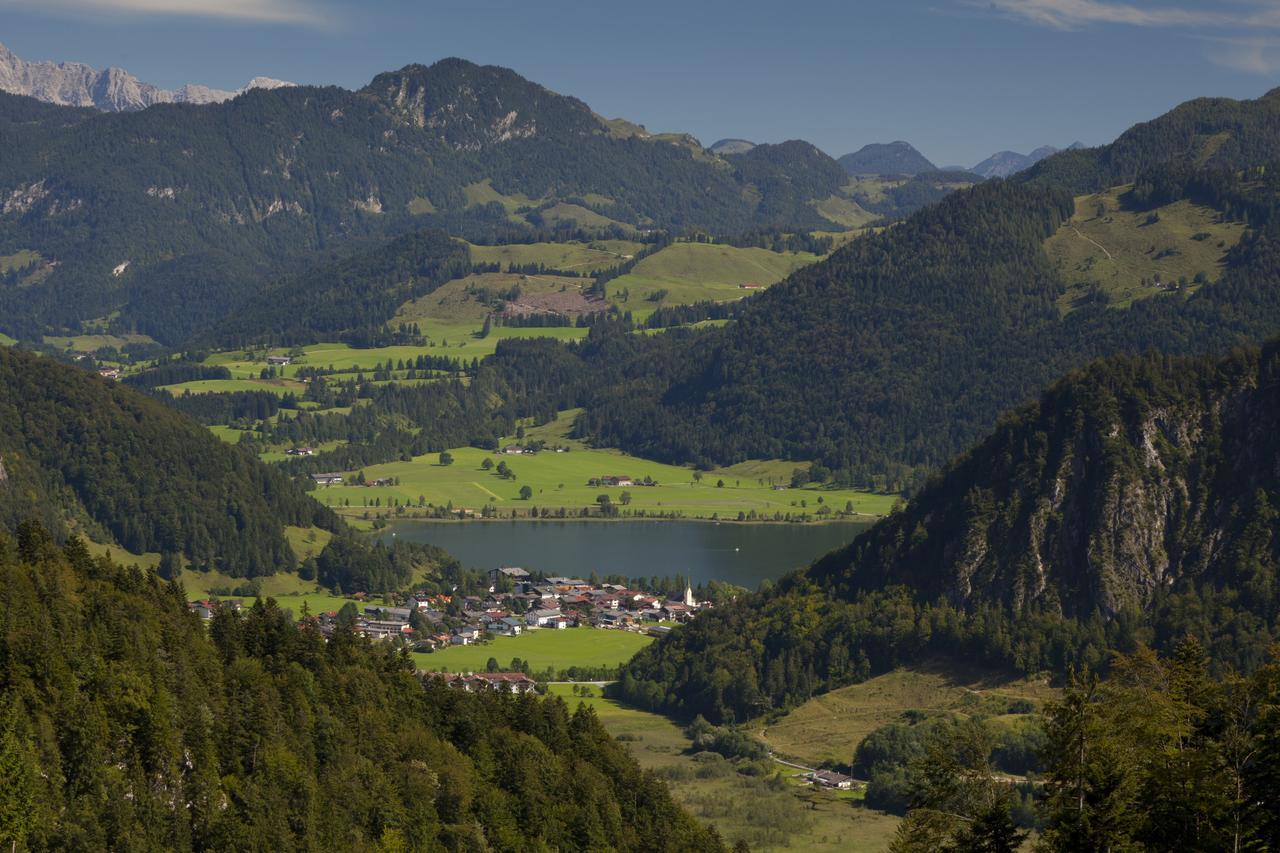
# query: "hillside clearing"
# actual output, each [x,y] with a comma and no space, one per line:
[1107,252]
[830,727]
[769,816]
[694,272]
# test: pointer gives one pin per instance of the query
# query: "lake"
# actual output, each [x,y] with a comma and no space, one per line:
[741,554]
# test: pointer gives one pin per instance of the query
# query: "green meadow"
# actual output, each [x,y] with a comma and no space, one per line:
[1106,248]
[772,812]
[830,726]
[7,341]
[560,480]
[694,272]
[226,386]
[583,257]
[454,340]
[542,649]
[18,260]
[458,304]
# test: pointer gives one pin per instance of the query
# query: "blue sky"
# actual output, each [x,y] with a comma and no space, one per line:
[960,79]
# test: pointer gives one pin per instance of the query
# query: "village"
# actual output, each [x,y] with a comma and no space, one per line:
[517,602]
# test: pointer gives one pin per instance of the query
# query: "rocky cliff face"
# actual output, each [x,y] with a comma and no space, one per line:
[113,90]
[1132,475]
[472,107]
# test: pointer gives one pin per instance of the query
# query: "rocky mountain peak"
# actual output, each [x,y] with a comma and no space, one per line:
[112,90]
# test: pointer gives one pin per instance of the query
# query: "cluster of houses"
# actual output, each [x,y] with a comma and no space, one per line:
[611,480]
[486,682]
[516,603]
[530,449]
[620,480]
[334,478]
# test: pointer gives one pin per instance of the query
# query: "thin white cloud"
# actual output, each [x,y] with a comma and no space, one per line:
[262,11]
[1072,14]
[1250,54]
[1245,28]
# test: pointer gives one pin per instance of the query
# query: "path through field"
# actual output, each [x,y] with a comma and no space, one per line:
[1094,242]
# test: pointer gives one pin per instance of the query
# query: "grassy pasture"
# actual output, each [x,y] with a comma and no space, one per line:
[584,217]
[586,257]
[544,648]
[767,815]
[830,726]
[453,305]
[90,343]
[6,341]
[454,340]
[1104,246]
[560,479]
[844,211]
[18,260]
[225,386]
[693,272]
[482,192]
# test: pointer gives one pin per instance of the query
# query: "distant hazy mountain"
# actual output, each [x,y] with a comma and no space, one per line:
[893,158]
[114,90]
[1006,163]
[731,146]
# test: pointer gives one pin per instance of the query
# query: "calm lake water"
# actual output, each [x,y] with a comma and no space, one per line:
[741,554]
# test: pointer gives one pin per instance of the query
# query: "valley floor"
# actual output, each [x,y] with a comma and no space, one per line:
[769,813]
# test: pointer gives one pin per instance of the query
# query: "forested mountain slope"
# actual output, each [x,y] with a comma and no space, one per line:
[1136,502]
[887,158]
[177,214]
[359,293]
[76,449]
[1208,133]
[903,347]
[126,723]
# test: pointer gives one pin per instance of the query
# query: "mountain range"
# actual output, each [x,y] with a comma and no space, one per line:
[1005,163]
[113,90]
[173,215]
[893,158]
[932,328]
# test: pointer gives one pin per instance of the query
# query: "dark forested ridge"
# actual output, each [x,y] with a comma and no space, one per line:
[1209,133]
[205,204]
[78,449]
[125,723]
[354,295]
[888,158]
[1135,503]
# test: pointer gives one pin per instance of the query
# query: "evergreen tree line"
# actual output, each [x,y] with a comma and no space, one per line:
[79,449]
[127,723]
[1159,756]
